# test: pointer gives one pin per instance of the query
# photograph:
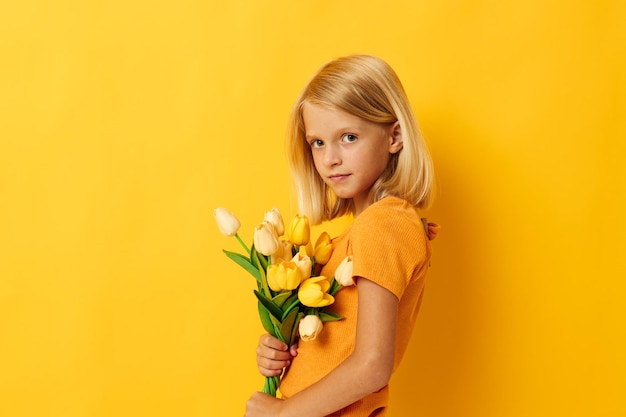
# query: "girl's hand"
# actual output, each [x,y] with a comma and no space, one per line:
[263,405]
[272,355]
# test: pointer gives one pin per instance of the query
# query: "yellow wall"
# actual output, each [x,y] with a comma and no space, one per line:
[123,124]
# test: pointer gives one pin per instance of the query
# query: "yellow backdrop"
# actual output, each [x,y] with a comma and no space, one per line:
[124,123]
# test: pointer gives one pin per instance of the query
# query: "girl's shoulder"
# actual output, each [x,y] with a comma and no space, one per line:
[389,210]
[393,216]
[388,214]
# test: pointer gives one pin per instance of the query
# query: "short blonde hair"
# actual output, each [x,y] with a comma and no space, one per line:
[367,87]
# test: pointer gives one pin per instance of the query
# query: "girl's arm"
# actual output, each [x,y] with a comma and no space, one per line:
[365,371]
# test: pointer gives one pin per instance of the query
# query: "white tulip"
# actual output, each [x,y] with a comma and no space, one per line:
[343,273]
[310,327]
[227,222]
[276,219]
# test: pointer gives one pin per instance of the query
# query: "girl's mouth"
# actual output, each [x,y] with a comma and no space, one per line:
[338,177]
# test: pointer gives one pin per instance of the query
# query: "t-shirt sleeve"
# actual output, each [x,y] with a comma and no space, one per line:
[388,245]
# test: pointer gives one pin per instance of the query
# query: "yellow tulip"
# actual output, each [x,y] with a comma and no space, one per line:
[313,292]
[310,326]
[343,273]
[265,239]
[307,249]
[284,276]
[226,221]
[276,219]
[299,231]
[323,249]
[304,264]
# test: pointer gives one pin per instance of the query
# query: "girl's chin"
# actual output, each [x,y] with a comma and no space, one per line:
[343,195]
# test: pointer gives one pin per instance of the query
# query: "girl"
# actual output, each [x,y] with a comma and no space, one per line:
[355,148]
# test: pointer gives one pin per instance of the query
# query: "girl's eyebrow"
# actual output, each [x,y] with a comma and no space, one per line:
[340,131]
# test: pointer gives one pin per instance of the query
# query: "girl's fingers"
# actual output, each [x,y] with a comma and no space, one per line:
[270,372]
[272,355]
[271,342]
[293,350]
[269,363]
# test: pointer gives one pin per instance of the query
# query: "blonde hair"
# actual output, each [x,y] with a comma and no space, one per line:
[367,87]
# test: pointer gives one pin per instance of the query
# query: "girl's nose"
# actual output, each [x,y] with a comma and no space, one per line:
[331,156]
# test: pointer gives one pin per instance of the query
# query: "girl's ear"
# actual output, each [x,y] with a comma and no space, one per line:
[395,141]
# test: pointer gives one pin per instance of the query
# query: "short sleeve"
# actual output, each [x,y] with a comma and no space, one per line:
[389,245]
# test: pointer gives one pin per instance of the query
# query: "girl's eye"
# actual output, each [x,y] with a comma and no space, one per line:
[317,143]
[349,137]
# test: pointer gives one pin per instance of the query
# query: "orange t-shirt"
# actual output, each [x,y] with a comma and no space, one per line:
[390,246]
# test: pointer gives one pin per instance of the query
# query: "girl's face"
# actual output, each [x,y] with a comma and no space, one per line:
[349,153]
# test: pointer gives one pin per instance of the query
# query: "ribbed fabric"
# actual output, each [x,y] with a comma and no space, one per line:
[390,246]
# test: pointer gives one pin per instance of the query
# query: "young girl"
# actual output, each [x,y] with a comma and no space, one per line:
[355,148]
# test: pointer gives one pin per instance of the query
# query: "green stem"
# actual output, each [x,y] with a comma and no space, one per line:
[271,385]
[242,243]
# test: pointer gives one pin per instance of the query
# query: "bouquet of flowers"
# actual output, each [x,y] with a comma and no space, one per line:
[292,297]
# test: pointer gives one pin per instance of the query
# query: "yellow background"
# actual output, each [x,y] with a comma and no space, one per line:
[124,123]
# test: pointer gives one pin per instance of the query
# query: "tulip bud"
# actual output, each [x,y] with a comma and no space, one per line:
[265,239]
[323,249]
[299,230]
[276,219]
[284,276]
[313,292]
[343,273]
[226,221]
[304,264]
[310,326]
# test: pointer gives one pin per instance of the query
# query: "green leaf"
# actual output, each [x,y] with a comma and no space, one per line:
[277,333]
[329,316]
[294,331]
[286,327]
[266,288]
[274,310]
[264,314]
[242,261]
[281,298]
[253,257]
[334,287]
[290,304]
[258,258]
